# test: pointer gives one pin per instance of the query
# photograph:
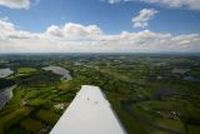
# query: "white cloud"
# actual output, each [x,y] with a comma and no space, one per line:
[71,29]
[18,4]
[79,38]
[8,32]
[141,20]
[188,4]
[114,1]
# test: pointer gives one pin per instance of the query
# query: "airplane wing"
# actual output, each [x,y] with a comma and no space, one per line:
[89,113]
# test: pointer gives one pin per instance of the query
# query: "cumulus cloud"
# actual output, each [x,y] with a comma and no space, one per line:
[73,30]
[8,31]
[79,38]
[145,15]
[188,4]
[18,4]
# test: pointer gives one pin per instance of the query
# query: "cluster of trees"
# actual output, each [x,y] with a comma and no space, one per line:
[5,83]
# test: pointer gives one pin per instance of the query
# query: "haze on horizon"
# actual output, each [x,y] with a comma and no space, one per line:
[32,26]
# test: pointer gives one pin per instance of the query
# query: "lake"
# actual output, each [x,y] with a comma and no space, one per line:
[59,71]
[4,72]
[5,95]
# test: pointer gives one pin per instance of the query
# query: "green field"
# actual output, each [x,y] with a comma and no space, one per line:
[25,70]
[143,90]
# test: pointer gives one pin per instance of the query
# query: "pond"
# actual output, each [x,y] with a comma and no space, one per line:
[191,79]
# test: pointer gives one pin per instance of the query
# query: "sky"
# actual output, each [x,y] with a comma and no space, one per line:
[132,26]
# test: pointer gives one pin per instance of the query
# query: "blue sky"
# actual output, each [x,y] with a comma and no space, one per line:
[112,17]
